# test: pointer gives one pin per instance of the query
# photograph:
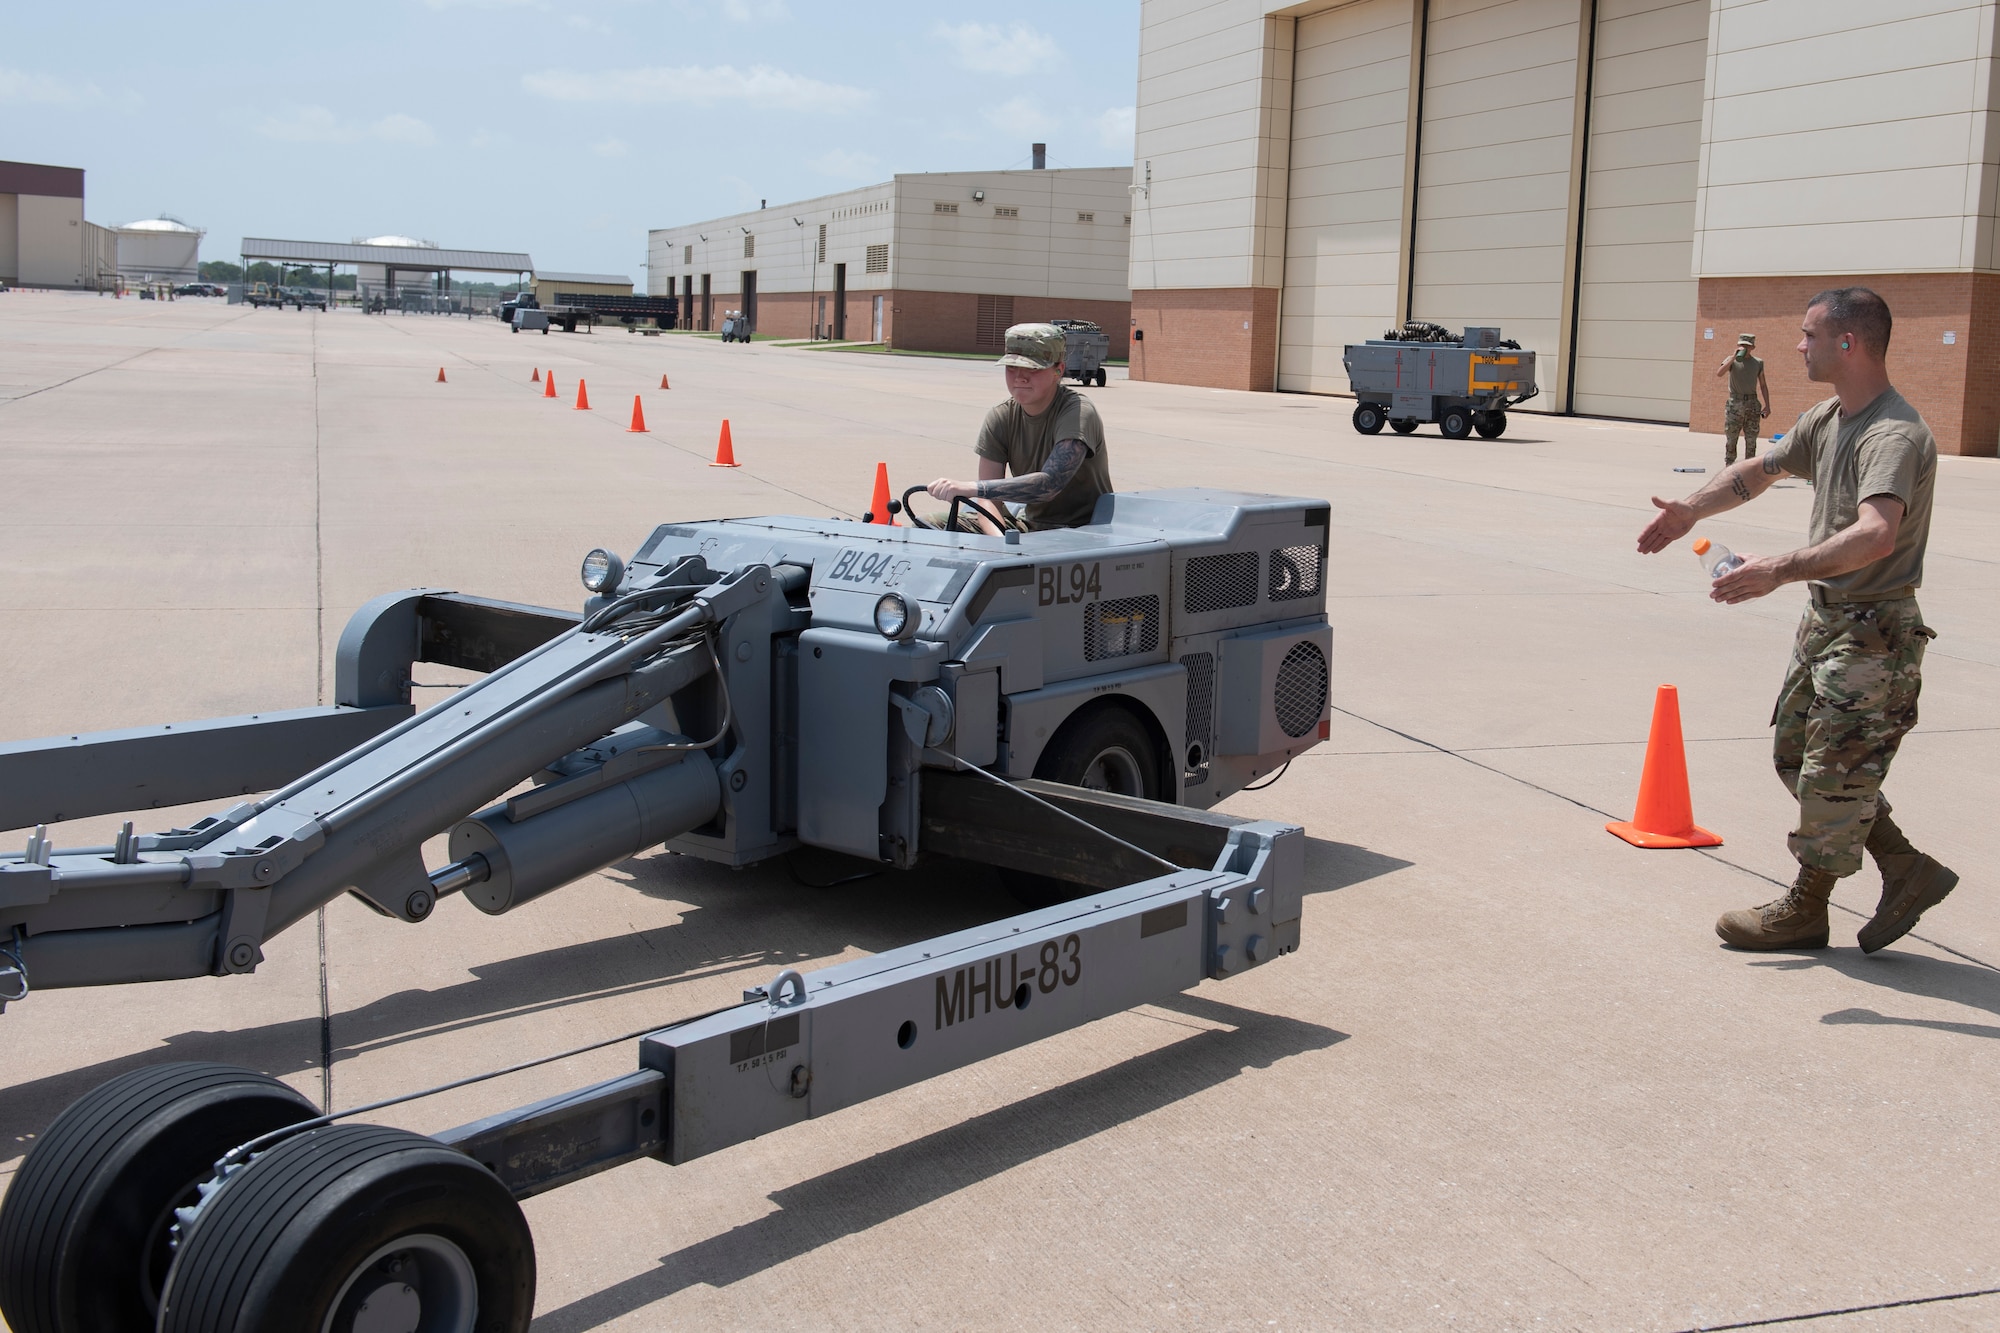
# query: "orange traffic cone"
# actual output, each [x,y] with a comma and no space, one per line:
[582,397]
[638,426]
[536,378]
[663,381]
[878,508]
[725,452]
[440,378]
[1665,816]
[549,386]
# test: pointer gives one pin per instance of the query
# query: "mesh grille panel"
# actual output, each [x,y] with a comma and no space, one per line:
[1217,582]
[1295,573]
[1299,695]
[1200,705]
[1121,627]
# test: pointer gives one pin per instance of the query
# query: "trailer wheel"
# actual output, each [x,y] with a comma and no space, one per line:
[84,1231]
[1455,424]
[1403,426]
[354,1228]
[1101,377]
[1368,419]
[1104,748]
[1491,426]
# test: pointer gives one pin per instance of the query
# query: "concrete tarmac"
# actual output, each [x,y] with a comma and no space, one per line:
[1510,1080]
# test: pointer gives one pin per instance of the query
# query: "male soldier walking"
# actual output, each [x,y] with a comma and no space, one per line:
[1744,414]
[1851,693]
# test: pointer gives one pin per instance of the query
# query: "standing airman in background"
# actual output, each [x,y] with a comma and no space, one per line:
[1745,413]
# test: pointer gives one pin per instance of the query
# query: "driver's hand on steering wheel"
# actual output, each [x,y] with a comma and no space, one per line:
[944,488]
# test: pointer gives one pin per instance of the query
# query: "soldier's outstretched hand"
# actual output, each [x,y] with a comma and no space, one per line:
[1756,577]
[1673,522]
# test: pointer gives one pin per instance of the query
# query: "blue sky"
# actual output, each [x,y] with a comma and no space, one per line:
[562,128]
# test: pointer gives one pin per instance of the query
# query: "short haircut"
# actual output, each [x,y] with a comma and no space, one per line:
[1858,311]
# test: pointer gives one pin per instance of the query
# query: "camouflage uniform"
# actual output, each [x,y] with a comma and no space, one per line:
[1848,700]
[1745,413]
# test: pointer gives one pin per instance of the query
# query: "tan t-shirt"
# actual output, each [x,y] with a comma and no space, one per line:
[1743,376]
[1884,449]
[1009,435]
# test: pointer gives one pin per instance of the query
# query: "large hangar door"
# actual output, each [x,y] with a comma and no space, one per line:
[1636,298]
[1343,224]
[1493,180]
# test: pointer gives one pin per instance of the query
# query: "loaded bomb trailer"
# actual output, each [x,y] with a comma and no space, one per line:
[1420,372]
[1064,705]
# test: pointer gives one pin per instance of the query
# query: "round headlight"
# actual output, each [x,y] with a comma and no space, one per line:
[893,617]
[602,570]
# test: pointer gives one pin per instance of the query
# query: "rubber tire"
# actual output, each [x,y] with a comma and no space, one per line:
[1102,378]
[1403,426]
[1368,419]
[1491,426]
[1455,424]
[87,1199]
[1068,757]
[277,1242]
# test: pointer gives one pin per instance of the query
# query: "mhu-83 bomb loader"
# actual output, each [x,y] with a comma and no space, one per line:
[1420,373]
[1064,705]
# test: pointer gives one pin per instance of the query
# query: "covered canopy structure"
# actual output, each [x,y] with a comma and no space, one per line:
[393,259]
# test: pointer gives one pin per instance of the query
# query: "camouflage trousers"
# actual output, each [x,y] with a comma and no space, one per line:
[1745,417]
[1849,699]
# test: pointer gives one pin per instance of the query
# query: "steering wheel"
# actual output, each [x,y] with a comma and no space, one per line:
[951,518]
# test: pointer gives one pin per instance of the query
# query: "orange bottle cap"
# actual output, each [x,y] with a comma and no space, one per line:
[1701,546]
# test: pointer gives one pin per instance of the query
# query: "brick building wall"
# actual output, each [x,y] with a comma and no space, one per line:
[1955,385]
[930,321]
[1220,338]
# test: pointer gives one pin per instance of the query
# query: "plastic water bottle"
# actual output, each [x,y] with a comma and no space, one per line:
[1716,559]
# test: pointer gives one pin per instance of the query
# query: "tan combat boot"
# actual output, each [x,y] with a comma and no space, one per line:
[1795,921]
[1912,884]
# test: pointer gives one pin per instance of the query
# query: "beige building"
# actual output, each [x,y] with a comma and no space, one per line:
[937,261]
[44,241]
[586,284]
[1623,185]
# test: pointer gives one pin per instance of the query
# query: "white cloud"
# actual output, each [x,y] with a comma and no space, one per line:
[844,165]
[19,85]
[1021,116]
[758,86]
[610,148]
[1117,126]
[984,47]
[316,124]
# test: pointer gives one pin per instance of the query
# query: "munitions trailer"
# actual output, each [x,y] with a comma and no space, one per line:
[1064,705]
[1085,346]
[1420,373]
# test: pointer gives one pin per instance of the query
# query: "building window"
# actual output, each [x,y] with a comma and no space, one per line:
[1000,212]
[1086,217]
[878,259]
[687,254]
[944,208]
[822,242]
[996,316]
[749,246]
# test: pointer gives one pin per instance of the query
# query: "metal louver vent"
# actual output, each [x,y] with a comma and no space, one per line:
[1218,582]
[1003,211]
[995,317]
[878,259]
[1295,573]
[1200,714]
[1299,696]
[944,208]
[1121,627]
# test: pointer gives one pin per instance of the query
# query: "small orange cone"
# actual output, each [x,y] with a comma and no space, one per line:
[536,378]
[725,452]
[549,386]
[878,508]
[440,378]
[582,397]
[663,381]
[638,426]
[1665,815]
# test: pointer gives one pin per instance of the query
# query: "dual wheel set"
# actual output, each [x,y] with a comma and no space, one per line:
[119,1220]
[1454,423]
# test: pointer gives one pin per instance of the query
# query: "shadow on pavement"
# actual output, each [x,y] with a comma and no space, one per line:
[1969,984]
[867,1193]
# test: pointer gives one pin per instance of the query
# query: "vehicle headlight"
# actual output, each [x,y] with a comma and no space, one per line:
[894,617]
[602,570]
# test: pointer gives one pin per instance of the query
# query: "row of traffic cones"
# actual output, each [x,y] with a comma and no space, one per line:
[725,448]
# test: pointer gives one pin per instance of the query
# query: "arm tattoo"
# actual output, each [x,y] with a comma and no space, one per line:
[1040,487]
[1742,491]
[1772,467]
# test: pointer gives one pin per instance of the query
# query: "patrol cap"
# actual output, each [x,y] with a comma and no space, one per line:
[1034,347]
[1746,340]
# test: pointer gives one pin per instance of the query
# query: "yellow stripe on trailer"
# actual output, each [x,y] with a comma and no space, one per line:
[1472,381]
